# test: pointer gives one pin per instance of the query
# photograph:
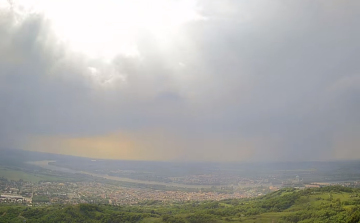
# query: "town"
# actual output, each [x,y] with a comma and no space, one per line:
[100,193]
[47,193]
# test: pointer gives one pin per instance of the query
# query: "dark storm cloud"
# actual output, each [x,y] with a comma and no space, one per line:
[279,79]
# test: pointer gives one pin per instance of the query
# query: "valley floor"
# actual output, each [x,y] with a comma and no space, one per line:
[327,204]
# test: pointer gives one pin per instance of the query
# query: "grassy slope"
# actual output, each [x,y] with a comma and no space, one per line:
[332,204]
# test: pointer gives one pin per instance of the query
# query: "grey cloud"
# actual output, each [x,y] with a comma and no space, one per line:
[283,74]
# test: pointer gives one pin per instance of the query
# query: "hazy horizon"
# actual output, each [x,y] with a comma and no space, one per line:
[192,80]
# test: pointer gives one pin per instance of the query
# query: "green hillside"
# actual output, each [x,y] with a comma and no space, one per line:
[328,204]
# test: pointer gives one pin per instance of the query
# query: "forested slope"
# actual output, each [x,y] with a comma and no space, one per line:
[328,204]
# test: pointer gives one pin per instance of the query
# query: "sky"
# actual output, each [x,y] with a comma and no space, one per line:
[191,80]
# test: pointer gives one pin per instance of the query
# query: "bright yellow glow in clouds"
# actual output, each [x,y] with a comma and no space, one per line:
[113,146]
[105,28]
[146,145]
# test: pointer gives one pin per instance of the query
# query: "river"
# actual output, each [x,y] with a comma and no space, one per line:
[45,164]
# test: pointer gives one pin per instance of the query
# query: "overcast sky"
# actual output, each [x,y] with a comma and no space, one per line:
[206,80]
